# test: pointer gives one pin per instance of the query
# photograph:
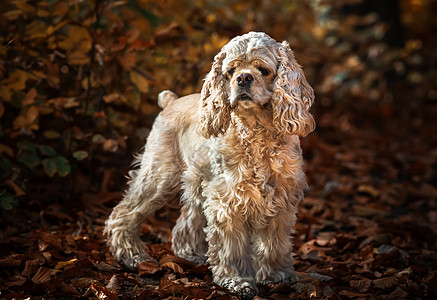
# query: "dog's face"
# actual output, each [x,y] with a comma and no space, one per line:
[255,70]
[250,82]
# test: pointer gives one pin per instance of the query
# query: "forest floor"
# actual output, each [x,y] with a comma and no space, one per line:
[367,228]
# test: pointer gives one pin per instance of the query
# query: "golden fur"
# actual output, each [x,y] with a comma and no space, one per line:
[234,152]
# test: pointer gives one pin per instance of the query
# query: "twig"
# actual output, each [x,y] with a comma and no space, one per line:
[9,43]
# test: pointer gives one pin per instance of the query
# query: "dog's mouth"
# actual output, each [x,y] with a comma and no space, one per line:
[244,97]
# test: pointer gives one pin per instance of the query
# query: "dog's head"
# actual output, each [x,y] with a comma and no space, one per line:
[255,70]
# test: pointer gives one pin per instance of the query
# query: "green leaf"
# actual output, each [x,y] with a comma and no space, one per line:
[63,166]
[29,155]
[7,201]
[50,166]
[30,158]
[58,164]
[98,138]
[47,150]
[80,155]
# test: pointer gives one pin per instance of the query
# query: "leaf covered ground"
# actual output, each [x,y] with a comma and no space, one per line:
[78,87]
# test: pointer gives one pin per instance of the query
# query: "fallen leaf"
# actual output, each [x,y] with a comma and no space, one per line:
[63,264]
[102,293]
[43,275]
[384,283]
[148,268]
[361,285]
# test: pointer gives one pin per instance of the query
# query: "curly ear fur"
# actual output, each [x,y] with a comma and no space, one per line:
[292,96]
[215,113]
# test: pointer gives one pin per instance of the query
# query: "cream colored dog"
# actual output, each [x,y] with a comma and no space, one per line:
[234,152]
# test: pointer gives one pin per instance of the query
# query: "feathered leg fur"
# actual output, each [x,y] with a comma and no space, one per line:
[273,252]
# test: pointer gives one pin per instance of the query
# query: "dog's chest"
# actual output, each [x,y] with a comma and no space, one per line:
[260,173]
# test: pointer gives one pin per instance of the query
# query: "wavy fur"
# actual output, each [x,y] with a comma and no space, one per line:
[234,153]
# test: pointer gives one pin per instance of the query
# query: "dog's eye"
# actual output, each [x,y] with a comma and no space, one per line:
[231,71]
[264,71]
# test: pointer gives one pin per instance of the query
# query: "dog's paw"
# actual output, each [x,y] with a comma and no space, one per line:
[245,288]
[131,263]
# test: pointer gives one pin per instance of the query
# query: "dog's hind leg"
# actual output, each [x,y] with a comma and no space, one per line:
[189,238]
[156,181]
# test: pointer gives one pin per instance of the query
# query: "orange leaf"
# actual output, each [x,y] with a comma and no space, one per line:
[140,81]
[30,97]
[110,145]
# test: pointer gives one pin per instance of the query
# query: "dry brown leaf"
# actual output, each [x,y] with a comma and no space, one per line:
[385,282]
[10,263]
[173,266]
[148,268]
[30,267]
[114,283]
[43,275]
[361,285]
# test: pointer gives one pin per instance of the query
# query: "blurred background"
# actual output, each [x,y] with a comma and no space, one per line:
[78,94]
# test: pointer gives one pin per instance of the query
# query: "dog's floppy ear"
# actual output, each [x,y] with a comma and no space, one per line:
[292,95]
[215,112]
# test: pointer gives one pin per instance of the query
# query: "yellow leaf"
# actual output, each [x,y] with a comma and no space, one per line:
[12,14]
[37,29]
[17,80]
[62,264]
[5,93]
[24,7]
[7,150]
[140,81]
[42,13]
[61,8]
[51,134]
[77,38]
[93,81]
[27,119]
[77,43]
[78,58]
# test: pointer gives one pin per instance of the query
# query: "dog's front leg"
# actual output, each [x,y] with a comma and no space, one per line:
[274,249]
[229,253]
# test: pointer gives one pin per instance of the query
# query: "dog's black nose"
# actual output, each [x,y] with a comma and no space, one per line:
[244,79]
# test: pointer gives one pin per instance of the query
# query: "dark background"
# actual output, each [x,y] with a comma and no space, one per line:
[78,89]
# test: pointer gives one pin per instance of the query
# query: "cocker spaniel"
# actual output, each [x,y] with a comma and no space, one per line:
[233,151]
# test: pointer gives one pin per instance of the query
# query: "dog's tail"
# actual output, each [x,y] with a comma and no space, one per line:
[165,97]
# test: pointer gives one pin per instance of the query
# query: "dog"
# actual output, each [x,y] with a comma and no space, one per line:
[233,152]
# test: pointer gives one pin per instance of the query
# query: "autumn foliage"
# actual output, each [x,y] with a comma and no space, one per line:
[78,88]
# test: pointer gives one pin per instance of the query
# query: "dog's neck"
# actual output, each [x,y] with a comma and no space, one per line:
[254,122]
[254,128]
